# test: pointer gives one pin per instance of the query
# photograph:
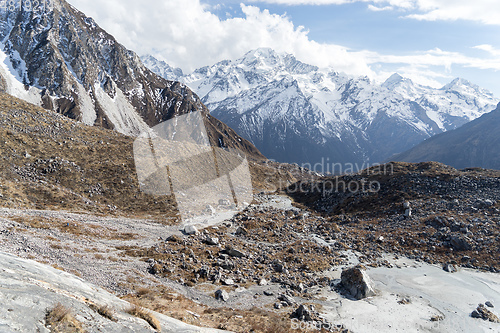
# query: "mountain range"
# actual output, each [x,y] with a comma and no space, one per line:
[60,59]
[299,113]
[291,111]
[475,144]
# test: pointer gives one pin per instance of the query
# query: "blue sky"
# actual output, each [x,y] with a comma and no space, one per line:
[429,41]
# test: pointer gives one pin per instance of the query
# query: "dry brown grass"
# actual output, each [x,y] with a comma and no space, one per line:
[73,228]
[78,168]
[60,319]
[104,310]
[146,315]
[256,320]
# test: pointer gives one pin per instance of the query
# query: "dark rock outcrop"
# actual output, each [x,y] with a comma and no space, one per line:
[357,283]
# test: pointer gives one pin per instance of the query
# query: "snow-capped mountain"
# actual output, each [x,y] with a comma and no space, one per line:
[295,112]
[475,144]
[162,68]
[60,59]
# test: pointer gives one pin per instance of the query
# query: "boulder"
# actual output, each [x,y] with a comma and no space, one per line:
[173,239]
[224,202]
[449,268]
[228,282]
[234,253]
[212,240]
[357,283]
[190,230]
[483,313]
[303,313]
[221,295]
[241,231]
[204,272]
[460,243]
[288,300]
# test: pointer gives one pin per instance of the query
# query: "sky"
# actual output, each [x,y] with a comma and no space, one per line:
[429,41]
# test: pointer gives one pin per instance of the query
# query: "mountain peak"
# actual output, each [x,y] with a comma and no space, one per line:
[162,68]
[261,57]
[395,80]
[459,82]
[268,59]
[463,86]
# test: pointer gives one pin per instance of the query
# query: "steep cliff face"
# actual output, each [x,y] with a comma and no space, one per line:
[62,60]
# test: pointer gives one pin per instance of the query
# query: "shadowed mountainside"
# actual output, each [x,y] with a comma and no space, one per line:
[475,144]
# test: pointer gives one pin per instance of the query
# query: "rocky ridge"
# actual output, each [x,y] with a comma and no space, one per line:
[60,59]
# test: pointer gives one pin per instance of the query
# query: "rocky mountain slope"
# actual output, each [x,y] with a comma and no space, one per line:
[52,162]
[475,144]
[60,59]
[295,112]
[70,198]
[427,211]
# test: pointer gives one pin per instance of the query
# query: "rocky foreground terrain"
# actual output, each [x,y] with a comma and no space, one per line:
[416,242]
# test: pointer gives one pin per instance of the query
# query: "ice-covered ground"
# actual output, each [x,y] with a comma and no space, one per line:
[431,292]
[28,289]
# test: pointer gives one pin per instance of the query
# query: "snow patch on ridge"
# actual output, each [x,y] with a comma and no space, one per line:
[120,112]
[13,81]
[86,105]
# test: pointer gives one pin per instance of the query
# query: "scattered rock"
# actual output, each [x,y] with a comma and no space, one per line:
[228,282]
[173,239]
[483,313]
[221,295]
[190,230]
[234,253]
[489,304]
[288,300]
[357,283]
[268,293]
[262,282]
[241,231]
[460,243]
[302,313]
[212,240]
[449,268]
[437,318]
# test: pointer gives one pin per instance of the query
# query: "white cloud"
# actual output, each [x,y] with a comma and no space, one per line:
[379,9]
[485,11]
[186,34]
[435,59]
[488,48]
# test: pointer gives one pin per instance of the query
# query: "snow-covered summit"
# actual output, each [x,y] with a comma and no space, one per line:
[296,112]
